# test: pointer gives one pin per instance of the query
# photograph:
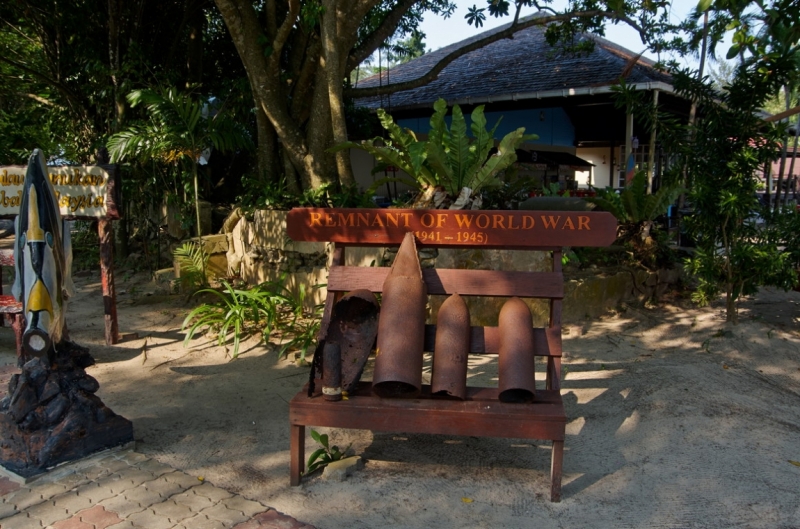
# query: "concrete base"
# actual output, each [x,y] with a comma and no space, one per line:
[68,467]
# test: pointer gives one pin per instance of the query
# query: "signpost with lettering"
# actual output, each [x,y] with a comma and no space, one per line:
[82,193]
[458,228]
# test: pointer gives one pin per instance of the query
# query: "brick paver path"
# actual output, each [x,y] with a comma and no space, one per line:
[125,489]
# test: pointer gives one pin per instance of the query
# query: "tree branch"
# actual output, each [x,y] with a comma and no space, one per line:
[40,100]
[69,94]
[380,35]
[433,73]
[286,28]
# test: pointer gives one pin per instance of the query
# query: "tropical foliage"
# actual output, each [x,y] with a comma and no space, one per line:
[450,158]
[272,307]
[180,129]
[325,455]
[236,313]
[633,207]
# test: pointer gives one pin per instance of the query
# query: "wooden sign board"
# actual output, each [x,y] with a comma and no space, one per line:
[83,192]
[458,228]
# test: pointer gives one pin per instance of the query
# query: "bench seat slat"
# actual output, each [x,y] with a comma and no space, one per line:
[486,340]
[481,414]
[450,281]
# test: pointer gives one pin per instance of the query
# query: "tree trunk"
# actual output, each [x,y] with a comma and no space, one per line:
[194,52]
[782,166]
[265,72]
[334,69]
[114,62]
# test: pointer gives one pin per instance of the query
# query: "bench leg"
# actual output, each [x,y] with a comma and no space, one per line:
[297,448]
[557,459]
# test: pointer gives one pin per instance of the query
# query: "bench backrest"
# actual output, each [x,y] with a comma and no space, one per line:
[520,230]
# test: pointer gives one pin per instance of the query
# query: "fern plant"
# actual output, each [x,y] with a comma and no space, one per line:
[192,261]
[633,206]
[450,157]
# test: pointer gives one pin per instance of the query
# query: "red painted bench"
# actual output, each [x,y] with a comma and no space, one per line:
[10,308]
[481,413]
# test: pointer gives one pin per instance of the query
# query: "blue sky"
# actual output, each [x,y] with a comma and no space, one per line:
[440,32]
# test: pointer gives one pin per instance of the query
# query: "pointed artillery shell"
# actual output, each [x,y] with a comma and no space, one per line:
[401,327]
[452,349]
[332,372]
[516,362]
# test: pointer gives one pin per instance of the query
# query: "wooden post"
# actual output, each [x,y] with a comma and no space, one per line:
[651,156]
[107,276]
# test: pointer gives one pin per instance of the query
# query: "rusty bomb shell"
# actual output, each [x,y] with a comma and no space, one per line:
[516,360]
[401,327]
[354,326]
[332,372]
[451,349]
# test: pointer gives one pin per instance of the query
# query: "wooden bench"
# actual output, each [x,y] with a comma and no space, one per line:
[10,308]
[481,413]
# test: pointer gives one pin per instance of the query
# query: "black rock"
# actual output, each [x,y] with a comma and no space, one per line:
[88,383]
[55,409]
[51,388]
[23,401]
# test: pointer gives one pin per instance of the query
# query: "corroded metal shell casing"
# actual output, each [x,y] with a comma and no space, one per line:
[332,372]
[354,326]
[517,361]
[452,349]
[401,327]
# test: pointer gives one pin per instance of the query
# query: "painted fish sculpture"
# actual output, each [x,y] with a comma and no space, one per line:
[42,261]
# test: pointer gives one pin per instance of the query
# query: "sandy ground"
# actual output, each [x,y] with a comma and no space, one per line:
[676,420]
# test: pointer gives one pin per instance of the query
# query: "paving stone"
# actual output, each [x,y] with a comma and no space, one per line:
[201,522]
[21,521]
[210,491]
[153,466]
[121,505]
[163,488]
[99,517]
[150,520]
[111,466]
[6,486]
[195,502]
[176,512]
[223,514]
[24,498]
[143,496]
[49,490]
[72,502]
[94,492]
[7,509]
[71,480]
[47,513]
[132,458]
[71,523]
[247,507]
[137,476]
[119,483]
[181,478]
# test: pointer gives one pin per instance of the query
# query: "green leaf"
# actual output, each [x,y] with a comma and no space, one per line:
[703,5]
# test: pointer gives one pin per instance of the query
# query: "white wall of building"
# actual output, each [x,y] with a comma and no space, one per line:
[600,173]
